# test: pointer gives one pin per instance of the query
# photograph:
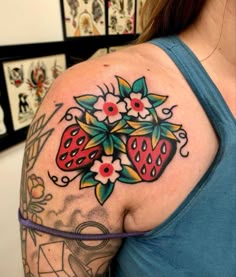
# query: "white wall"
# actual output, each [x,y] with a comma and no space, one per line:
[21,21]
[29,21]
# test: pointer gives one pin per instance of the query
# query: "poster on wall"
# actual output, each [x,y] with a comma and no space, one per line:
[121,17]
[140,4]
[27,82]
[84,18]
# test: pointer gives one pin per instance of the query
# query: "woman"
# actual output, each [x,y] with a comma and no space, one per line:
[142,149]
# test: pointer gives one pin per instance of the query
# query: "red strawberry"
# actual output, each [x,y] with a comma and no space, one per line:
[72,154]
[149,162]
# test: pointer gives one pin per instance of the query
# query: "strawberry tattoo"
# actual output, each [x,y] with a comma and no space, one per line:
[72,154]
[119,136]
[149,162]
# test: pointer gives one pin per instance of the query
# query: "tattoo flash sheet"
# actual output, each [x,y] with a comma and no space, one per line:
[27,82]
[84,17]
[121,17]
[122,136]
[140,4]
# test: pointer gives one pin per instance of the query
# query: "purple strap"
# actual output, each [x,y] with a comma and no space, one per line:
[70,235]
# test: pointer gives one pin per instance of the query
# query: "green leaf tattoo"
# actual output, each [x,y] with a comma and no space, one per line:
[102,192]
[86,101]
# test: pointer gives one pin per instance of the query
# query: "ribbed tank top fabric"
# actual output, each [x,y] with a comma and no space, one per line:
[199,238]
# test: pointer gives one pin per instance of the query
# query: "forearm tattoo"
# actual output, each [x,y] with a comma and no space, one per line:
[116,135]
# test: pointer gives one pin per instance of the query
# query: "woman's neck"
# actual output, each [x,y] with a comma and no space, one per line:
[213,40]
[212,36]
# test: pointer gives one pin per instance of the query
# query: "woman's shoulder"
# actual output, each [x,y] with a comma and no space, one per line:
[138,110]
[131,63]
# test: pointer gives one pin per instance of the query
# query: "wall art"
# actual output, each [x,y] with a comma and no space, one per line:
[121,17]
[139,10]
[27,82]
[83,18]
[27,71]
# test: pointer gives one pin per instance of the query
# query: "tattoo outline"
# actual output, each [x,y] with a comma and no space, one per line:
[36,140]
[37,199]
[69,264]
[101,228]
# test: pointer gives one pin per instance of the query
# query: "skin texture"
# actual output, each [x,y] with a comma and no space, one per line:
[53,197]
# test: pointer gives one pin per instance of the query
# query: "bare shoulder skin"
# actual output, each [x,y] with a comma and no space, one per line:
[114,148]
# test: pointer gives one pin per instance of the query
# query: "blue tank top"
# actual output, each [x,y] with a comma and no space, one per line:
[199,238]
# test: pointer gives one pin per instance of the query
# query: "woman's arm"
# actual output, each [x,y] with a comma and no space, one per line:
[107,153]
[69,177]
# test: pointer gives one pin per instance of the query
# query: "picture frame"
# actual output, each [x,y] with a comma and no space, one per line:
[22,57]
[123,11]
[26,74]
[83,18]
[121,17]
[139,10]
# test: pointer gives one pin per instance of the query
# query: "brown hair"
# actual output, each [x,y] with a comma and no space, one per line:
[168,17]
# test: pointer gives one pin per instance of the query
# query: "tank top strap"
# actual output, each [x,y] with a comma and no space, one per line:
[198,79]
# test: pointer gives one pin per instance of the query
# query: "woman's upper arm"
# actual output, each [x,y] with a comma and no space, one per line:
[71,165]
[101,156]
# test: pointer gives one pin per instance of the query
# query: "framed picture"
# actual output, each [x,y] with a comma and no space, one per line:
[83,18]
[25,79]
[121,17]
[140,4]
